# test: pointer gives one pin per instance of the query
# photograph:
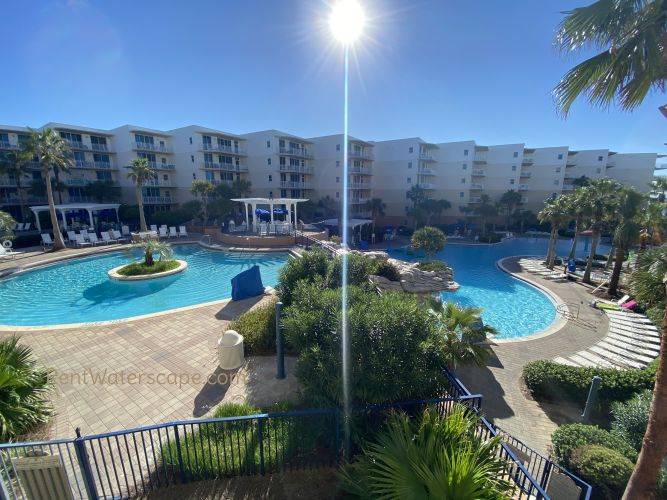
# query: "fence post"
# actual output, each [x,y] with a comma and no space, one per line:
[84,464]
[545,474]
[592,399]
[260,437]
[280,352]
[179,454]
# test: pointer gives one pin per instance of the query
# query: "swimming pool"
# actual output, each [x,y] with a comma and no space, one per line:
[79,291]
[515,308]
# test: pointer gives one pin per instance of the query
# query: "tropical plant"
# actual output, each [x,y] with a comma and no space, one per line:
[140,173]
[653,219]
[626,233]
[484,210]
[555,212]
[431,457]
[103,191]
[509,201]
[24,389]
[328,207]
[417,195]
[433,208]
[429,239]
[581,181]
[376,207]
[241,188]
[16,165]
[202,190]
[461,333]
[7,224]
[646,281]
[152,247]
[53,156]
[576,207]
[631,418]
[630,38]
[525,218]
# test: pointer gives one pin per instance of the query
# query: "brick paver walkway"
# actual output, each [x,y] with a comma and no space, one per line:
[506,400]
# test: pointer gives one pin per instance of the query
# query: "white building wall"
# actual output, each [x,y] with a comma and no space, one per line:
[632,169]
[542,174]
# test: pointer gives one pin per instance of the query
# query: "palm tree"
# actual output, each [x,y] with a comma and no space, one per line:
[202,190]
[630,37]
[434,208]
[626,233]
[429,239]
[241,188]
[7,224]
[510,200]
[140,173]
[376,207]
[524,217]
[654,221]
[329,206]
[152,247]
[53,155]
[555,212]
[434,456]
[600,202]
[576,207]
[417,195]
[484,210]
[15,164]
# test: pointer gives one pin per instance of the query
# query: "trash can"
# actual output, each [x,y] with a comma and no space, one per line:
[230,350]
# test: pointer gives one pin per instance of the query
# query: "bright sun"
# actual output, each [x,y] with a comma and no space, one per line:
[347,21]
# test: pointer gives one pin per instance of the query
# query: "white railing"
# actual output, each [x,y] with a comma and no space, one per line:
[157,200]
[475,199]
[426,157]
[76,182]
[528,160]
[147,146]
[295,185]
[364,155]
[523,187]
[84,164]
[76,145]
[480,158]
[296,152]
[426,185]
[7,182]
[161,166]
[297,168]
[478,173]
[99,147]
[8,145]
[360,170]
[223,149]
[477,186]
[425,171]
[226,166]
[359,185]
[526,174]
[359,200]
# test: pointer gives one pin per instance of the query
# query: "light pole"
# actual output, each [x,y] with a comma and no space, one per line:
[346,23]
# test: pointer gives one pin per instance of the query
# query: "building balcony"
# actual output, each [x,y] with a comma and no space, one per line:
[84,164]
[426,157]
[161,166]
[220,182]
[80,199]
[527,160]
[102,148]
[14,199]
[147,146]
[296,185]
[157,200]
[426,185]
[227,167]
[478,173]
[7,182]
[219,148]
[526,174]
[477,187]
[300,152]
[360,155]
[77,145]
[359,200]
[360,170]
[425,171]
[480,158]
[475,199]
[568,187]
[160,183]
[570,165]
[297,169]
[74,181]
[359,185]
[8,145]
[104,165]
[523,187]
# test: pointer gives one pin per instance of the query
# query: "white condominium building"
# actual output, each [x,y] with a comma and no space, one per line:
[328,161]
[279,164]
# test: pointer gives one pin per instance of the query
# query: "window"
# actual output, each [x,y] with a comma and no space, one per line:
[282,160]
[516,154]
[560,156]
[465,152]
[210,176]
[599,158]
[407,209]
[557,169]
[337,194]
[411,149]
[337,147]
[206,140]
[268,144]
[464,166]
[337,179]
[598,170]
[162,144]
[164,161]
[463,181]
[461,194]
[337,163]
[165,177]
[270,178]
[556,182]
[512,181]
[79,157]
[268,161]
[270,194]
[283,193]
[409,180]
[409,164]
[103,175]
[192,158]
[190,140]
[513,168]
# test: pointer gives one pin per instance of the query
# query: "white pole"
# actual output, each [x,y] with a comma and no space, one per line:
[271,208]
[36,214]
[90,217]
[296,219]
[254,216]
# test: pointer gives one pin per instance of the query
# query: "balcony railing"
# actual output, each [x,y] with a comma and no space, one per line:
[527,160]
[84,164]
[7,182]
[426,185]
[426,157]
[219,182]
[475,199]
[159,182]
[526,174]
[8,145]
[157,200]
[219,148]
[228,167]
[102,164]
[296,185]
[301,152]
[359,200]
[99,147]
[76,182]
[425,171]
[76,144]
[147,146]
[478,173]
[161,166]
[305,169]
[360,170]
[80,199]
[477,187]
[16,200]
[523,187]
[359,185]
[363,155]
[568,187]
[479,158]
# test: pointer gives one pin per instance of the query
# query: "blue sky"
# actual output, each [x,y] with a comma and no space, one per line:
[443,70]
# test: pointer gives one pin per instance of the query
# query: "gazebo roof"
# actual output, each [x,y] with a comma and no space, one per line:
[268,201]
[78,206]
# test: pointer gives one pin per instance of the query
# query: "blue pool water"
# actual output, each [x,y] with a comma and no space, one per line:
[79,291]
[513,307]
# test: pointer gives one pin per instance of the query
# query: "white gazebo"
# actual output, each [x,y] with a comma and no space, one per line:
[253,203]
[70,207]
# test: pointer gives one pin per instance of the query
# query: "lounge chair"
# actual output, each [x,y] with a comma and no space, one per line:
[47,242]
[117,236]
[81,241]
[153,227]
[7,252]
[27,226]
[182,232]
[92,237]
[172,232]
[71,237]
[125,231]
[19,227]
[163,232]
[107,239]
[231,226]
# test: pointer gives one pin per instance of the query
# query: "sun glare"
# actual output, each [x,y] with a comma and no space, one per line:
[347,21]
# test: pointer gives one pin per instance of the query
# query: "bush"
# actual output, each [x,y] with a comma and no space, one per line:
[392,342]
[388,270]
[359,268]
[312,264]
[606,470]
[26,240]
[172,218]
[631,418]
[140,268]
[24,390]
[547,379]
[434,265]
[429,239]
[258,327]
[568,438]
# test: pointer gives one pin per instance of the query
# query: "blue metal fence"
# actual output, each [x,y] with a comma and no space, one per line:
[134,462]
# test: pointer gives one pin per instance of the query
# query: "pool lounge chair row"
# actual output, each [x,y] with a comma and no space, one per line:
[162,231]
[22,227]
[631,342]
[535,266]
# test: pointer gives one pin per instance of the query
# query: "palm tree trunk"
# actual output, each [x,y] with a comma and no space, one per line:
[58,242]
[610,257]
[204,215]
[549,246]
[573,248]
[616,273]
[644,478]
[21,197]
[140,203]
[589,262]
[552,248]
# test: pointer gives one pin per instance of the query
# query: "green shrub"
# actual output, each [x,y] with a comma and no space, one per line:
[568,438]
[388,270]
[140,268]
[312,264]
[546,379]
[490,238]
[234,410]
[606,470]
[434,265]
[359,268]
[24,401]
[631,418]
[258,327]
[26,240]
[391,339]
[429,239]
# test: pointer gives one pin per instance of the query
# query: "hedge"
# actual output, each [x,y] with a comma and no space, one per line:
[568,438]
[606,470]
[258,327]
[546,379]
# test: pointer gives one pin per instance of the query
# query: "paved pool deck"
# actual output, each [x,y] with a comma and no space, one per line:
[506,400]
